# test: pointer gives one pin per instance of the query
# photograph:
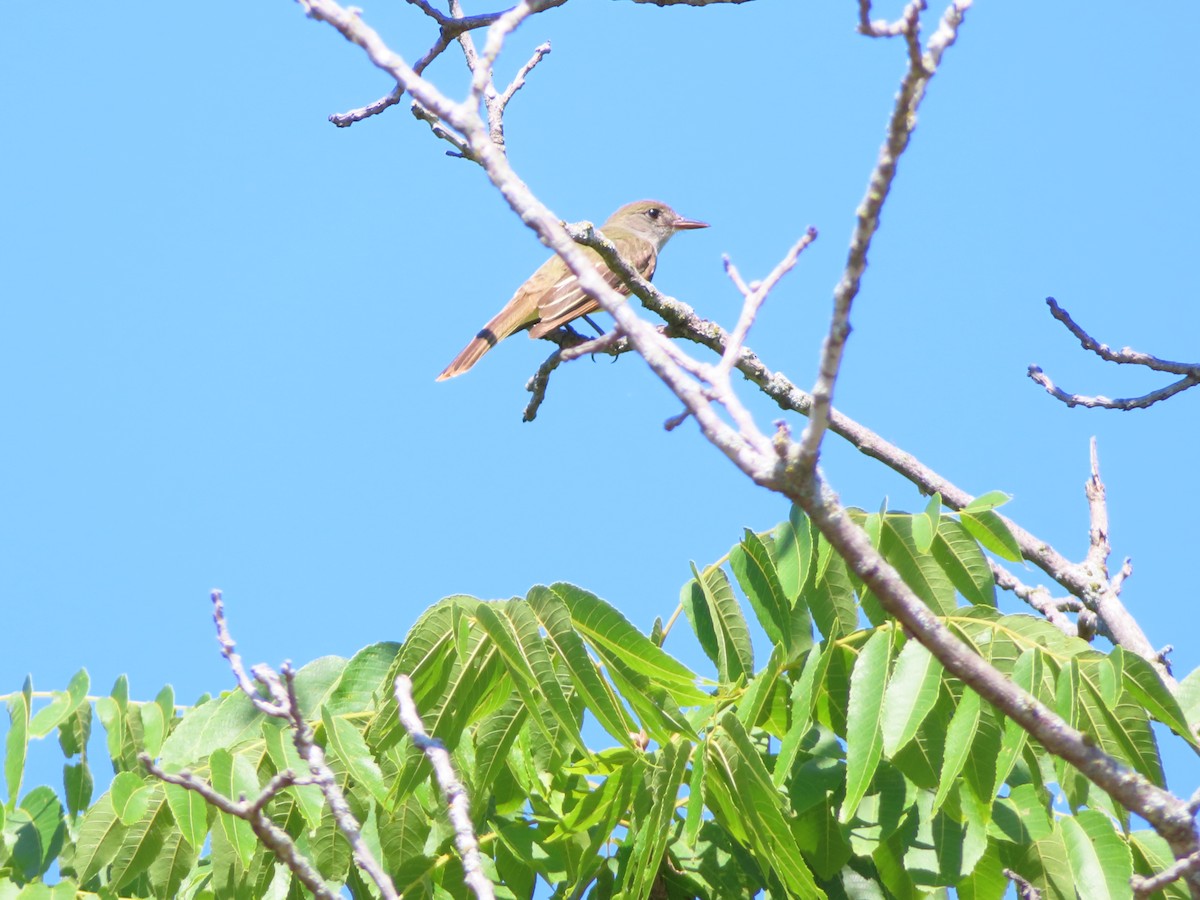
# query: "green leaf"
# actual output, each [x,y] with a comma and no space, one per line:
[1146,687]
[76,729]
[494,737]
[792,550]
[825,846]
[716,616]
[190,813]
[77,787]
[1109,849]
[427,657]
[175,860]
[920,571]
[234,776]
[755,573]
[218,724]
[142,841]
[1067,695]
[831,598]
[653,828]
[606,629]
[990,500]
[660,717]
[347,742]
[165,699]
[960,735]
[734,767]
[752,707]
[872,524]
[800,703]
[37,829]
[100,835]
[1092,874]
[282,752]
[1047,865]
[933,513]
[130,797]
[49,717]
[987,880]
[613,811]
[695,804]
[989,529]
[959,556]
[472,679]
[911,695]
[1127,735]
[362,680]
[16,742]
[864,737]
[555,618]
[514,629]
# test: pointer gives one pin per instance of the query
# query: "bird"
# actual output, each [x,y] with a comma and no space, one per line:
[551,296]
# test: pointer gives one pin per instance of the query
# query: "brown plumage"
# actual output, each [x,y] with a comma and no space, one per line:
[551,296]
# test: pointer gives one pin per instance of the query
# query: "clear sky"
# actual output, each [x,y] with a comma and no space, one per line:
[222,316]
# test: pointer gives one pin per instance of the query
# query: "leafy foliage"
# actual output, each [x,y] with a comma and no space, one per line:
[849,764]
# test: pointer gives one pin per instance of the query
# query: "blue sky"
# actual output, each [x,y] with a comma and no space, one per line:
[222,316]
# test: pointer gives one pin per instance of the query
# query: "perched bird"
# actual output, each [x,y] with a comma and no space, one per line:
[552,297]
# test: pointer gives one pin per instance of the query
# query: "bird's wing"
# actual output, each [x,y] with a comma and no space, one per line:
[566,301]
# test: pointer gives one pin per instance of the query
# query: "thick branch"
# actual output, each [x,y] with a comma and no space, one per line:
[1077,578]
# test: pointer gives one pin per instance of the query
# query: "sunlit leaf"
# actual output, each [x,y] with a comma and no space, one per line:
[864,734]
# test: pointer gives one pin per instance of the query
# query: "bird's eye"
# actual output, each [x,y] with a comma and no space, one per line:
[654,212]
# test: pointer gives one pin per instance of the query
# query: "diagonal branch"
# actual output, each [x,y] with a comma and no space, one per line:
[783,465]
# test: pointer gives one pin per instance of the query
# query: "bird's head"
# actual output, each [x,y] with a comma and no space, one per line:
[650,220]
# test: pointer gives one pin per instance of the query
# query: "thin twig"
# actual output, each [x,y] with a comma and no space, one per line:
[286,706]
[754,297]
[518,81]
[271,835]
[1037,597]
[1126,356]
[1144,887]
[457,804]
[899,132]
[781,466]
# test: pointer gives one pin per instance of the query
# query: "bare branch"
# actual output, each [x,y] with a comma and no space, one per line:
[754,296]
[900,127]
[1025,889]
[518,81]
[1144,887]
[689,2]
[1126,356]
[287,707]
[1099,548]
[271,835]
[457,804]
[781,465]
[225,639]
[1037,597]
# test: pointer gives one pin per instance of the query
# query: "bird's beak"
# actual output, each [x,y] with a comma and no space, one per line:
[688,224]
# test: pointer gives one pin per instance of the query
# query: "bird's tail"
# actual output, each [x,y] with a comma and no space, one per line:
[510,319]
